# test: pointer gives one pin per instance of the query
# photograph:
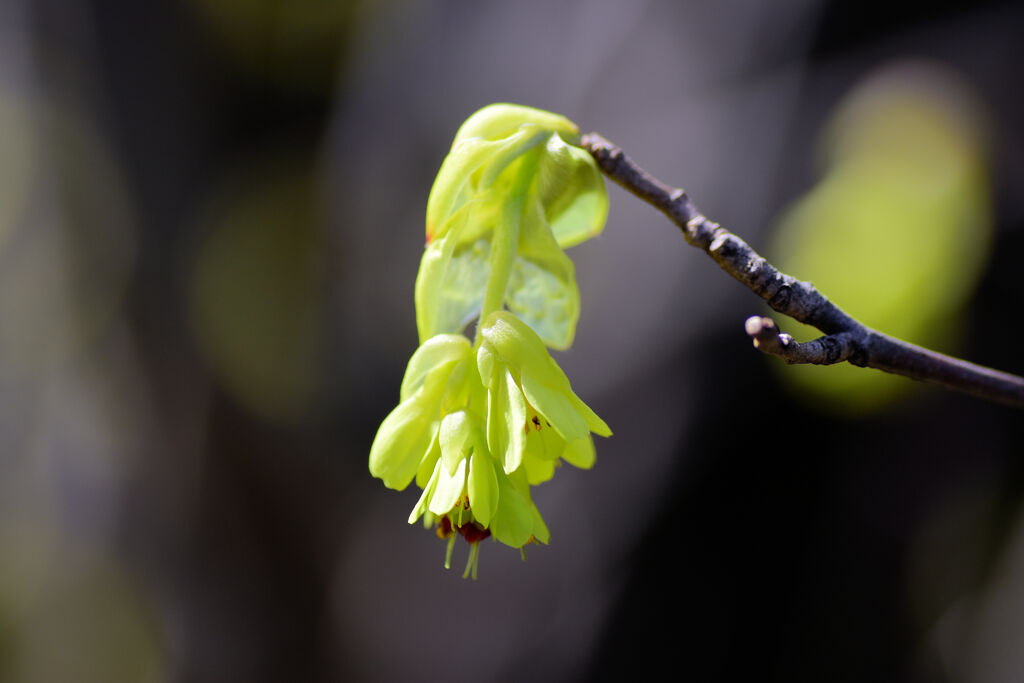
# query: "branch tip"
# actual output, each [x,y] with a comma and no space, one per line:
[845,338]
[755,325]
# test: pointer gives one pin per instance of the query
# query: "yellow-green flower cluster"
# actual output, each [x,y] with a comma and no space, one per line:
[475,429]
[480,422]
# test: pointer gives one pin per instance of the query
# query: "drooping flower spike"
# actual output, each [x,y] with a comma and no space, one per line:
[478,424]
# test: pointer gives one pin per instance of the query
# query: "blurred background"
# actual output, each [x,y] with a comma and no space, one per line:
[211,216]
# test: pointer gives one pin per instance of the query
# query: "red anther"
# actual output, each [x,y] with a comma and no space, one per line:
[473,533]
[444,528]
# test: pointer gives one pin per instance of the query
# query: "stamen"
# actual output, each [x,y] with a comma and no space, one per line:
[448,552]
[474,560]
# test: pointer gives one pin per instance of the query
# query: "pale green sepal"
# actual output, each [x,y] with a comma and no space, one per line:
[425,497]
[545,386]
[515,422]
[580,453]
[513,521]
[497,430]
[556,407]
[463,389]
[449,488]
[595,423]
[542,441]
[506,422]
[482,487]
[486,366]
[406,434]
[540,529]
[519,346]
[401,441]
[426,468]
[538,471]
[458,435]
[435,352]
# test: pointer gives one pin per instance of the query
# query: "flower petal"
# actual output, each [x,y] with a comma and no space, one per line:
[449,488]
[463,390]
[458,435]
[486,365]
[540,529]
[544,384]
[596,424]
[556,407]
[513,521]
[401,442]
[428,492]
[506,418]
[432,354]
[580,453]
[538,471]
[515,343]
[482,487]
[542,441]
[428,463]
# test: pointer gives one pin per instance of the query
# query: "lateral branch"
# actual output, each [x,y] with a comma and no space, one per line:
[845,339]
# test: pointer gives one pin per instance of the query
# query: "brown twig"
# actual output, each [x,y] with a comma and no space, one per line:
[845,338]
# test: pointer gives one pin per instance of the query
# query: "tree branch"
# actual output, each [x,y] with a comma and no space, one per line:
[845,338]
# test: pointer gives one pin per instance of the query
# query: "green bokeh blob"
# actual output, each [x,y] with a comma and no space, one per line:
[257,292]
[295,44]
[68,253]
[92,624]
[17,157]
[898,230]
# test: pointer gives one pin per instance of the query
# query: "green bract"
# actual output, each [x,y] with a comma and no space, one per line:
[479,423]
[512,193]
[906,174]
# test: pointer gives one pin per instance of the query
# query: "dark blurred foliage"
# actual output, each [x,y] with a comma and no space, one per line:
[211,215]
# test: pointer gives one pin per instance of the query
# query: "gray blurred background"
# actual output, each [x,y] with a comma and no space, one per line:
[211,216]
